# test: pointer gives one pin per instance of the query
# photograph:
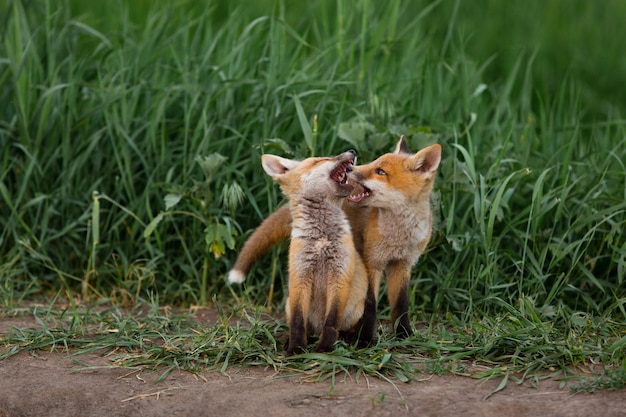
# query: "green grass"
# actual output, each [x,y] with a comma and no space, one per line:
[507,346]
[131,138]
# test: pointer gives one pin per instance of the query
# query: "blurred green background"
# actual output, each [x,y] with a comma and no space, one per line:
[558,39]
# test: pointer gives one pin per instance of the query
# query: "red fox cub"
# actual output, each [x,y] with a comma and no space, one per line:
[391,222]
[327,279]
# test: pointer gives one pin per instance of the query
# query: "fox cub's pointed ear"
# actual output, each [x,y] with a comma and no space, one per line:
[402,146]
[276,166]
[427,160]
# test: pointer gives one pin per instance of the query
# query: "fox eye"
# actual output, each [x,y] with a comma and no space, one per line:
[380,171]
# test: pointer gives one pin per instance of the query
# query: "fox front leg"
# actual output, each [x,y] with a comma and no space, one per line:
[330,331]
[297,317]
[335,307]
[398,277]
[367,328]
[297,334]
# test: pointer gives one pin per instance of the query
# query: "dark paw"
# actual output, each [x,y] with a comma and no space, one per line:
[365,342]
[294,350]
[325,347]
[403,330]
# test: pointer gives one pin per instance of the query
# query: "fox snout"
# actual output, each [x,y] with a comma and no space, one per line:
[349,156]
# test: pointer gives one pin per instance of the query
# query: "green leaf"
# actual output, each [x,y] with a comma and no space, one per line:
[278,145]
[304,124]
[210,164]
[152,225]
[355,131]
[95,219]
[500,386]
[216,235]
[401,375]
[171,200]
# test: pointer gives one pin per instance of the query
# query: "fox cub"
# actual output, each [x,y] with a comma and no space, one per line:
[327,278]
[390,215]
[391,218]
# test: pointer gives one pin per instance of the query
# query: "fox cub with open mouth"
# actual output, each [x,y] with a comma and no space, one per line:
[327,278]
[391,219]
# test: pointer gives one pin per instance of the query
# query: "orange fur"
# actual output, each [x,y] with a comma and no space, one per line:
[391,220]
[395,226]
[327,278]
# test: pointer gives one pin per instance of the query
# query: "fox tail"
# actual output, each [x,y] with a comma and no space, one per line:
[275,229]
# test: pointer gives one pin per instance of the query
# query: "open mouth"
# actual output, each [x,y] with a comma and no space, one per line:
[361,192]
[340,174]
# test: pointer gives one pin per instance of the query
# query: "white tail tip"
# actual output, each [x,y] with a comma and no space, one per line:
[235,277]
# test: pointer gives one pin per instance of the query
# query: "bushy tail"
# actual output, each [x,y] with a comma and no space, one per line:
[274,229]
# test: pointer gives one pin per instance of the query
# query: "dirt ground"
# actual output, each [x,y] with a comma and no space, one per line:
[60,384]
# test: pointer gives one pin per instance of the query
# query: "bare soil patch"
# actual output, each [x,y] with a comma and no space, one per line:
[62,384]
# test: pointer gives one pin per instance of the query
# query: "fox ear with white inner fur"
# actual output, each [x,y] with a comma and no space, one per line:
[402,146]
[427,160]
[276,166]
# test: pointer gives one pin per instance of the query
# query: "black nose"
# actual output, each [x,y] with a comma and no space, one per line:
[352,151]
